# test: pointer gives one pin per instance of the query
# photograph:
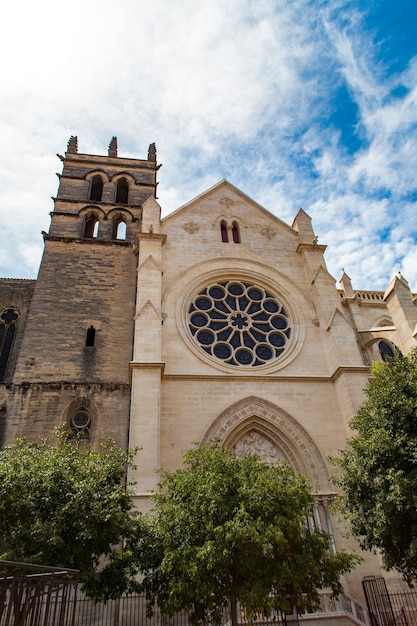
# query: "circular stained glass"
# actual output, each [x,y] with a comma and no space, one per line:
[199,319]
[239,323]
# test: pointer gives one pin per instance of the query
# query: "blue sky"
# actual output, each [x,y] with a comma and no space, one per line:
[297,103]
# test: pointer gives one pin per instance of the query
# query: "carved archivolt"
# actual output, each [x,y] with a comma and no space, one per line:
[258,426]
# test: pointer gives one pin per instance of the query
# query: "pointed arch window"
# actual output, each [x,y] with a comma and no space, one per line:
[96,189]
[8,325]
[235,232]
[119,229]
[122,193]
[385,350]
[91,227]
[223,231]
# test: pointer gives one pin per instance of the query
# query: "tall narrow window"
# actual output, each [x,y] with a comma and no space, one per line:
[96,189]
[91,227]
[8,324]
[122,193]
[235,233]
[223,230]
[91,335]
[119,229]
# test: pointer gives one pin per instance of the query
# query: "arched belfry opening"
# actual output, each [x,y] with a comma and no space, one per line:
[96,191]
[122,191]
[258,426]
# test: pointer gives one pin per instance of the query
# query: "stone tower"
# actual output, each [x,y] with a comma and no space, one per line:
[73,359]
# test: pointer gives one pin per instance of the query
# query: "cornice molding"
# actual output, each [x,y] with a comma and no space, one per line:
[91,240]
[272,377]
[93,386]
[316,247]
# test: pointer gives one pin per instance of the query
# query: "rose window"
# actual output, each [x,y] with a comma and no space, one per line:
[239,323]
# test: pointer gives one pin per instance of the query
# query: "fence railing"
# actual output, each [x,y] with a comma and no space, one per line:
[390,602]
[41,596]
[131,611]
[33,595]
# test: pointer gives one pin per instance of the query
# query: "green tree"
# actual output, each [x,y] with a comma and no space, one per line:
[67,505]
[234,530]
[379,466]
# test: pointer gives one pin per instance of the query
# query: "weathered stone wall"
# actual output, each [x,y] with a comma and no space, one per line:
[16,293]
[34,410]
[80,284]
[79,169]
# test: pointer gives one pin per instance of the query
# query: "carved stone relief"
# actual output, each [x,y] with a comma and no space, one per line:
[268,232]
[191,227]
[255,443]
[226,201]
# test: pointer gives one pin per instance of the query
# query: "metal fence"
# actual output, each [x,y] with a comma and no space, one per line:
[131,611]
[41,596]
[76,610]
[390,603]
[404,601]
[33,595]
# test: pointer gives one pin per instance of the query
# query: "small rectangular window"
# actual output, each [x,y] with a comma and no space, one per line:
[91,335]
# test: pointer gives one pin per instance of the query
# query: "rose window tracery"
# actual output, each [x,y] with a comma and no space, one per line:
[239,323]
[80,422]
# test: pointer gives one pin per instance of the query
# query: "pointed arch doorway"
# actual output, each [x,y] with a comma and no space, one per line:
[256,426]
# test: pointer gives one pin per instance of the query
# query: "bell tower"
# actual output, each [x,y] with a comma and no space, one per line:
[78,338]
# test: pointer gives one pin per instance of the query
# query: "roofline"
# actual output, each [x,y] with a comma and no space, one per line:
[223,181]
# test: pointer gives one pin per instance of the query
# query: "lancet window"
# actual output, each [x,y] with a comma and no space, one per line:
[122,193]
[8,325]
[119,229]
[91,227]
[96,189]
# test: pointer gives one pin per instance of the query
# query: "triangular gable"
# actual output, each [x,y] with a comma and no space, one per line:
[336,317]
[224,184]
[301,216]
[150,264]
[151,215]
[398,282]
[322,272]
[148,310]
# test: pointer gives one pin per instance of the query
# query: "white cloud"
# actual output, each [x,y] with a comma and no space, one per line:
[237,89]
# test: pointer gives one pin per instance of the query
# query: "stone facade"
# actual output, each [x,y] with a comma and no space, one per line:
[218,321]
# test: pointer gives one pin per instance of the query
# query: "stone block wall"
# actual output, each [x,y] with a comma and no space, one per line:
[81,284]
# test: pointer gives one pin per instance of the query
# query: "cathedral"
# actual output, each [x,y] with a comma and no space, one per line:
[219,321]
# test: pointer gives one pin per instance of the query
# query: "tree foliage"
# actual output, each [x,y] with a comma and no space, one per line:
[379,466]
[234,530]
[66,505]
